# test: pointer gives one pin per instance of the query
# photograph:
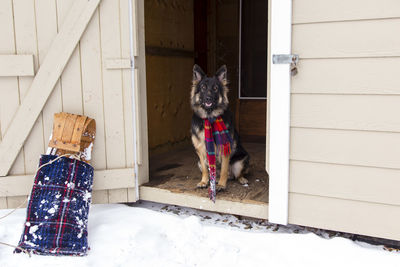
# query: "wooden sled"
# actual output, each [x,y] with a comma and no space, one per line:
[72,134]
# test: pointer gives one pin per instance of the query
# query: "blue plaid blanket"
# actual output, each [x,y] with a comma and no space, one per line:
[58,208]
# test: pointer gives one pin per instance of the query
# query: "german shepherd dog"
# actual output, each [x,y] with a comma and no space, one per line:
[209,99]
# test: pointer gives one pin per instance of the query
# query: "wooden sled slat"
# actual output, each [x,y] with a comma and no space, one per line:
[73,134]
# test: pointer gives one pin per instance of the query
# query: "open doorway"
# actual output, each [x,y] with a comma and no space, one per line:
[209,33]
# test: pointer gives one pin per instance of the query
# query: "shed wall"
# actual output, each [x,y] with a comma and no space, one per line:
[169,63]
[345,149]
[87,86]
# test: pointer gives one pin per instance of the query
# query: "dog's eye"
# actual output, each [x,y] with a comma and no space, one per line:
[203,87]
[215,88]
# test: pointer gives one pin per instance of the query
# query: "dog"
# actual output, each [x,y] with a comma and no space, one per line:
[209,99]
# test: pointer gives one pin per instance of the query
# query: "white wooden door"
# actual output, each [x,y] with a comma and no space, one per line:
[279,112]
[83,57]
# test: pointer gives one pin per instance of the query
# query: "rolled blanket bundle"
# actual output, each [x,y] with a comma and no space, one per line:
[58,208]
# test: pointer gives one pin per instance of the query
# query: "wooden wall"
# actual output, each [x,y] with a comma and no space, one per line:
[87,86]
[344,156]
[227,44]
[223,48]
[169,56]
[169,64]
[251,120]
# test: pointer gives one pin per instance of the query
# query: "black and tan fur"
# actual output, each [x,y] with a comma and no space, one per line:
[209,99]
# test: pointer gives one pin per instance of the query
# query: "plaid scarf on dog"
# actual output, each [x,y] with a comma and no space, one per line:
[217,135]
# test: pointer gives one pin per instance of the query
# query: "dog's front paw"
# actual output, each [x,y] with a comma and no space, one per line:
[243,180]
[202,184]
[220,187]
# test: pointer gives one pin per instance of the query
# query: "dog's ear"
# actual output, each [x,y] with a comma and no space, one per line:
[198,73]
[221,75]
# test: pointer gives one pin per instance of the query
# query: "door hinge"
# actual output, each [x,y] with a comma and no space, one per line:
[287,59]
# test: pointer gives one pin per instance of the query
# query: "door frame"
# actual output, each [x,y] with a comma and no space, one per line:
[278,117]
[277,134]
[139,95]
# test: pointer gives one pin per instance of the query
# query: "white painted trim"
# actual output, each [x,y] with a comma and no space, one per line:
[134,88]
[21,185]
[16,65]
[281,19]
[118,63]
[252,209]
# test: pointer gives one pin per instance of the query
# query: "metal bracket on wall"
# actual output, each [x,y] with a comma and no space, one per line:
[287,59]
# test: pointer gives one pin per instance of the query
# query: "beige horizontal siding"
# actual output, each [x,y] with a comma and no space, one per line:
[348,76]
[362,148]
[353,112]
[346,182]
[307,11]
[345,163]
[371,38]
[357,217]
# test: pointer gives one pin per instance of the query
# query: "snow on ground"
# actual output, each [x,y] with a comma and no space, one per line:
[157,235]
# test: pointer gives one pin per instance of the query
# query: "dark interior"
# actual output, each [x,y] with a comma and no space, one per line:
[179,34]
[253,48]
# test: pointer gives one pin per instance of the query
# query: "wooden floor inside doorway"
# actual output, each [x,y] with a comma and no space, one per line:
[177,171]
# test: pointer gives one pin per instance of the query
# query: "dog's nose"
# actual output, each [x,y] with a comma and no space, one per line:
[208,99]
